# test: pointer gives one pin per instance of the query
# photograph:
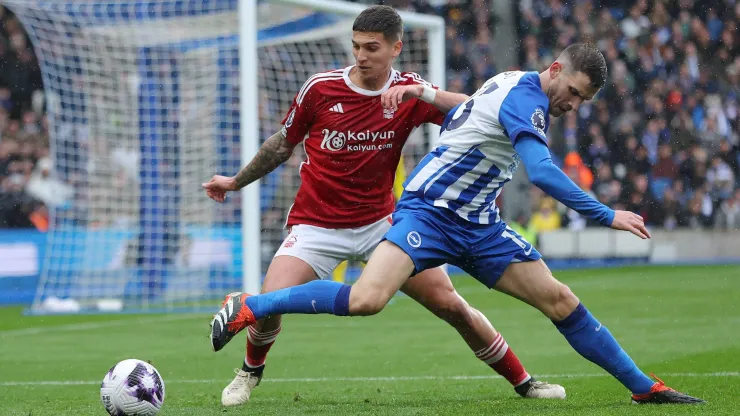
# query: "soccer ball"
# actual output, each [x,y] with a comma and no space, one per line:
[132,387]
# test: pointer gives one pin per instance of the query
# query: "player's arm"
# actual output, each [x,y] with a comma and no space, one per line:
[444,101]
[273,153]
[535,155]
[275,150]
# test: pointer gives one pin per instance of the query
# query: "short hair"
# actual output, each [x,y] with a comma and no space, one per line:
[587,58]
[380,19]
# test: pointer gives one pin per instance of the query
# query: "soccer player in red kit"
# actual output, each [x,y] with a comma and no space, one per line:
[353,123]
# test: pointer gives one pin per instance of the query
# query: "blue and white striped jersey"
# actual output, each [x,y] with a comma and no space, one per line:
[476,155]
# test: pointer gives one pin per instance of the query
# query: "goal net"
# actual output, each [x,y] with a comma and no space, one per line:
[143,99]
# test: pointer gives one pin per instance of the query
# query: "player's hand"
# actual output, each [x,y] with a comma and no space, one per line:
[219,185]
[629,221]
[394,96]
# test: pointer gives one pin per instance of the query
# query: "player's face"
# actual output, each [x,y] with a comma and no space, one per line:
[374,54]
[568,90]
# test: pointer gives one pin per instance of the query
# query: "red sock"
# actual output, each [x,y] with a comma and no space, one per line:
[258,345]
[502,359]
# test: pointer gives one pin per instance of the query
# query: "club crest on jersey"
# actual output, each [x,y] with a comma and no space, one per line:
[388,113]
[538,121]
[290,241]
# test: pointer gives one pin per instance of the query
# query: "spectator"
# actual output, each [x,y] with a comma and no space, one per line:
[728,217]
[546,218]
[731,156]
[47,188]
[524,228]
[15,206]
[700,211]
[720,179]
[672,213]
[664,171]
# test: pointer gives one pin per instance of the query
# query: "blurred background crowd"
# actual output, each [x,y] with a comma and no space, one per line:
[661,139]
[26,170]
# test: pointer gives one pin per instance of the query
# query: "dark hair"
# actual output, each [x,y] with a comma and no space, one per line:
[380,19]
[587,58]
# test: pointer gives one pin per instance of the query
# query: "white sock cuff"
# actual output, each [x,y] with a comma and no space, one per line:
[262,338]
[493,352]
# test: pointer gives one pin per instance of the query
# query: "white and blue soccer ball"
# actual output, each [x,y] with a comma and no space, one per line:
[132,387]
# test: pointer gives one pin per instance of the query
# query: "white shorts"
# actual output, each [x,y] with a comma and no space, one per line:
[324,249]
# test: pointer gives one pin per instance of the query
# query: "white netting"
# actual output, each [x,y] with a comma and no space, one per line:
[143,102]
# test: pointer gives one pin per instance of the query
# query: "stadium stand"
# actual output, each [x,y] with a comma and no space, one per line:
[661,139]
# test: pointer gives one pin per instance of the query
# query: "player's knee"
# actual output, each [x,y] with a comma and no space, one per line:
[453,309]
[563,303]
[365,304]
[366,307]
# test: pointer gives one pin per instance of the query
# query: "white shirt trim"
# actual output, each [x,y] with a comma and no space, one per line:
[363,91]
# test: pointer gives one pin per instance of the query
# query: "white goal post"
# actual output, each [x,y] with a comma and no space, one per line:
[146,99]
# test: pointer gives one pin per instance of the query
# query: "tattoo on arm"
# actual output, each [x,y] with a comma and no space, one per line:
[273,152]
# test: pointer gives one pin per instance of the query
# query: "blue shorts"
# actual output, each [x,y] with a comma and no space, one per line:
[433,236]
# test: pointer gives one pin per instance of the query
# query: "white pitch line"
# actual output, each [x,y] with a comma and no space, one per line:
[367,379]
[91,325]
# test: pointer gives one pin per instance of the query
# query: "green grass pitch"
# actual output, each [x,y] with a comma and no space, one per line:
[683,323]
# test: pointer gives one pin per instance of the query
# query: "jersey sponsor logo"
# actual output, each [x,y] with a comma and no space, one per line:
[414,239]
[538,121]
[336,140]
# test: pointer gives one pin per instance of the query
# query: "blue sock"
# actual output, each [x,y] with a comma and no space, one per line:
[318,296]
[595,343]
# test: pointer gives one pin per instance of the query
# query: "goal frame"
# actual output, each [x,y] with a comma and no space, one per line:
[249,120]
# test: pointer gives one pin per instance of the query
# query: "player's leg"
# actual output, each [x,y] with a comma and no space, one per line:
[433,289]
[533,283]
[306,254]
[284,271]
[387,270]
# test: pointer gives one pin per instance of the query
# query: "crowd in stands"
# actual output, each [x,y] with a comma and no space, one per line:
[25,167]
[661,139]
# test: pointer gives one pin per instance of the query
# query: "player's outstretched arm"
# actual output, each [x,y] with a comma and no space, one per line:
[443,100]
[535,156]
[273,152]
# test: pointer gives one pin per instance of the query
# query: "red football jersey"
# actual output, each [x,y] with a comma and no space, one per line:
[353,146]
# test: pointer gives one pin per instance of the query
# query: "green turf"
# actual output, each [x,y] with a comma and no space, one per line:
[681,323]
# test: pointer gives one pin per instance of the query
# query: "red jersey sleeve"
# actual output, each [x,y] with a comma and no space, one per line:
[425,112]
[301,114]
